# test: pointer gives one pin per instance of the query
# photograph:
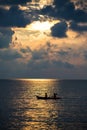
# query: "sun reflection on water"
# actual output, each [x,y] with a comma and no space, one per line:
[43,116]
[29,113]
[39,114]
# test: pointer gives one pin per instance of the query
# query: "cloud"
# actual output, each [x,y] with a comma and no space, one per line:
[49,61]
[65,9]
[38,55]
[77,27]
[62,64]
[42,59]
[13,2]
[60,3]
[48,10]
[13,17]
[59,30]
[9,54]
[12,69]
[5,37]
[81,4]
[45,63]
[12,63]
[85,55]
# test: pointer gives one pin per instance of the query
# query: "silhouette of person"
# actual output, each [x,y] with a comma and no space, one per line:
[55,95]
[45,95]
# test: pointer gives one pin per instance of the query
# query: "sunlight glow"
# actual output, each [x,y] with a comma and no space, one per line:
[40,26]
[43,2]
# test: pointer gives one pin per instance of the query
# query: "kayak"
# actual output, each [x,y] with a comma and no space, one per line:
[46,98]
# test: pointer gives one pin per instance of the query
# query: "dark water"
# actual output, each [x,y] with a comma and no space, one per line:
[20,110]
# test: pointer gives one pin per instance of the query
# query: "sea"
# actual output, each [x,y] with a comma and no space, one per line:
[21,110]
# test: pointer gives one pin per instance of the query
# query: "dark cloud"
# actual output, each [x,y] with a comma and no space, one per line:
[13,17]
[41,64]
[80,16]
[59,30]
[5,37]
[85,55]
[65,9]
[48,10]
[9,54]
[26,50]
[60,3]
[62,64]
[8,70]
[45,68]
[63,53]
[44,51]
[76,27]
[40,59]
[38,55]
[13,2]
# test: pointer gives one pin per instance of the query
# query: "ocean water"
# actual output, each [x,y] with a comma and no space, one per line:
[21,110]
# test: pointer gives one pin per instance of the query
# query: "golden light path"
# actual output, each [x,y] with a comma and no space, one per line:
[39,114]
[37,79]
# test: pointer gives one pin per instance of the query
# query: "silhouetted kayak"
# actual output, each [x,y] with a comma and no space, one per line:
[46,98]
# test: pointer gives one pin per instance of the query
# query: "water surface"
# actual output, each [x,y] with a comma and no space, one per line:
[20,110]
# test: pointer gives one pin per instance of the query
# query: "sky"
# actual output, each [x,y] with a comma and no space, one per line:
[43,39]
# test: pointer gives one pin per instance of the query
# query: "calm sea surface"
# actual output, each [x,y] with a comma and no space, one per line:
[21,110]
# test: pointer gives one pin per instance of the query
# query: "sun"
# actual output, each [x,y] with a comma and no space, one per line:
[43,26]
